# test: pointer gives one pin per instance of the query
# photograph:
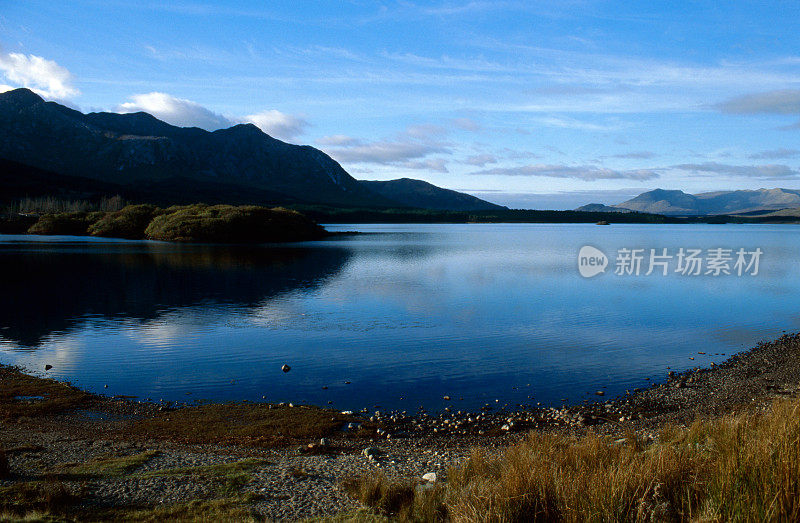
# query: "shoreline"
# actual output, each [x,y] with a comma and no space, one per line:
[306,467]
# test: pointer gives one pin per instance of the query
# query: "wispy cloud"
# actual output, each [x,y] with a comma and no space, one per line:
[635,155]
[785,101]
[338,140]
[428,164]
[424,131]
[585,172]
[410,149]
[776,154]
[782,102]
[767,172]
[385,152]
[42,76]
[481,160]
[466,124]
[563,122]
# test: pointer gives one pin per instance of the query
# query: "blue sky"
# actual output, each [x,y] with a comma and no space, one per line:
[528,104]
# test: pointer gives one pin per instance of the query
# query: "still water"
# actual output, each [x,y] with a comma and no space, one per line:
[406,313]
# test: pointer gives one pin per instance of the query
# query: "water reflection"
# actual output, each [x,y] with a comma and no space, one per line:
[49,287]
[404,314]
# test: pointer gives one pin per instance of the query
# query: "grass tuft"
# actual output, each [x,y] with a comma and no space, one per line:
[5,469]
[725,469]
[234,509]
[108,465]
[33,498]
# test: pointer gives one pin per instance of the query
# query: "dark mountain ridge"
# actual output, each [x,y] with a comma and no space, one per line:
[152,160]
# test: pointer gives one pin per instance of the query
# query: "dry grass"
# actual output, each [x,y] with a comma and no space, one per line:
[234,509]
[242,423]
[46,396]
[5,469]
[734,468]
[110,465]
[47,498]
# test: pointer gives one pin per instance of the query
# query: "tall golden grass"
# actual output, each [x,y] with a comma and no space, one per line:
[743,467]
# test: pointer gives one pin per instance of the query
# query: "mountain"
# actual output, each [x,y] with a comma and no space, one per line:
[143,158]
[599,207]
[417,193]
[673,202]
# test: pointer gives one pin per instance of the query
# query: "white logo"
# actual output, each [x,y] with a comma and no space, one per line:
[591,261]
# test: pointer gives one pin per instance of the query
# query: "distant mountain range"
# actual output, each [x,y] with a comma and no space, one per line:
[50,149]
[679,203]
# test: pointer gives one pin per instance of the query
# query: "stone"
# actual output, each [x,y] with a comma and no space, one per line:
[600,393]
[430,477]
[286,368]
[48,367]
[324,442]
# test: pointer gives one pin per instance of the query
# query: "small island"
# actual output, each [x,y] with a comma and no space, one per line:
[181,223]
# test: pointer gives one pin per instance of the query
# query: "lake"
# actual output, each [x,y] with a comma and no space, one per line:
[483,313]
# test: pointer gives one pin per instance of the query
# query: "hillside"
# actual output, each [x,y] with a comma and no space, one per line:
[146,159]
[417,193]
[674,202]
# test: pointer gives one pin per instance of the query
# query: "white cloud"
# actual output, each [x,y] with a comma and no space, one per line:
[45,77]
[4,88]
[175,111]
[278,125]
[186,113]
[587,173]
[767,172]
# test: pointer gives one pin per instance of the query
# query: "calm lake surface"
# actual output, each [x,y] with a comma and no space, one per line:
[406,313]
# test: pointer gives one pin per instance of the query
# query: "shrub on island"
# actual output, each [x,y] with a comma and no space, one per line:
[130,222]
[68,223]
[231,224]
